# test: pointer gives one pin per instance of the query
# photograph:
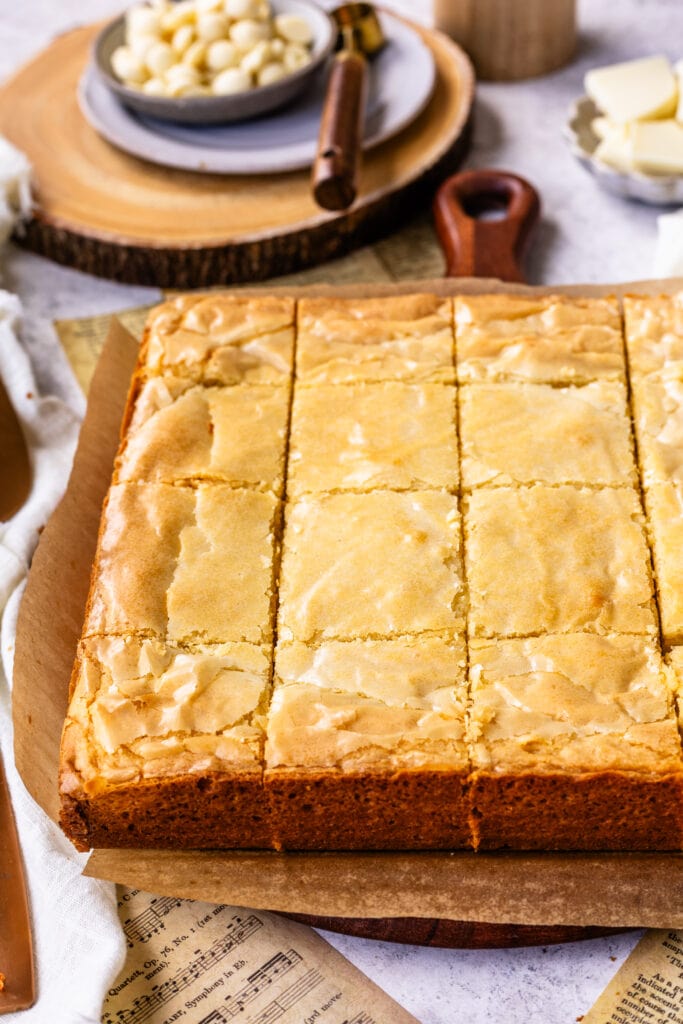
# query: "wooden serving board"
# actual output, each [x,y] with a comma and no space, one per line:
[444,934]
[108,213]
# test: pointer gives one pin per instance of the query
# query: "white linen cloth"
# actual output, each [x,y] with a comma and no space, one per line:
[76,929]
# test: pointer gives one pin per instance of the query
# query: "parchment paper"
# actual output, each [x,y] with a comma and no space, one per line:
[574,889]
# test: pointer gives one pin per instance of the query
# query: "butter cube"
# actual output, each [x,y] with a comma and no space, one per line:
[635,90]
[616,148]
[658,147]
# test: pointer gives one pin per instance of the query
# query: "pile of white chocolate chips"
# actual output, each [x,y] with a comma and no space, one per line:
[209,47]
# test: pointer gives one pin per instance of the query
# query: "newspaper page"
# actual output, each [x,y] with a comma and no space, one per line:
[206,964]
[648,988]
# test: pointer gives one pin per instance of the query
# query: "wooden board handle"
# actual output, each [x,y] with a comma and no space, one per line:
[335,171]
[477,243]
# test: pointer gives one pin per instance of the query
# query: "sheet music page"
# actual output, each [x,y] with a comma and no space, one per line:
[82,340]
[648,987]
[207,964]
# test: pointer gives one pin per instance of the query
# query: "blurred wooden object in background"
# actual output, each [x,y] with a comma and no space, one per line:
[511,39]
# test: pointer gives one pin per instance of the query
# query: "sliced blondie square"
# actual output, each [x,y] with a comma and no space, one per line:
[403,337]
[534,433]
[664,504]
[189,564]
[654,332]
[557,560]
[147,721]
[362,732]
[675,660]
[362,437]
[182,432]
[574,745]
[371,565]
[658,408]
[553,339]
[221,339]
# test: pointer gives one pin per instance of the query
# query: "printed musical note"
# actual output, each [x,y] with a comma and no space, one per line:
[143,926]
[236,932]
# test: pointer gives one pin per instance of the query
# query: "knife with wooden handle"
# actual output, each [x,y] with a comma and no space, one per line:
[17,990]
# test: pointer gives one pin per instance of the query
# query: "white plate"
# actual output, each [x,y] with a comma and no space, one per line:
[401,82]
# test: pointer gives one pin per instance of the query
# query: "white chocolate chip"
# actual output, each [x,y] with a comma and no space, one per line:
[212,26]
[294,29]
[271,73]
[182,75]
[242,8]
[277,47]
[232,80]
[142,21]
[195,54]
[295,57]
[256,58]
[247,33]
[154,87]
[140,44]
[159,58]
[221,55]
[182,38]
[182,13]
[128,67]
[206,6]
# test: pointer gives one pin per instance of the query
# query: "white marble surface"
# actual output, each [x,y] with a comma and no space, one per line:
[586,236]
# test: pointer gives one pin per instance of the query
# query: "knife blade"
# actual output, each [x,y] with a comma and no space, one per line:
[16,947]
[15,468]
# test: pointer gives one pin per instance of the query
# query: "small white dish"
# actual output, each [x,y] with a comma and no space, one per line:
[401,82]
[203,110]
[654,189]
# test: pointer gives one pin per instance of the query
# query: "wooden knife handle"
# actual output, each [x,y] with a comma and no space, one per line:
[484,220]
[335,171]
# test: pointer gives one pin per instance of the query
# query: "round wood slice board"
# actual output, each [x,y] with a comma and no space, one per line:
[425,931]
[108,213]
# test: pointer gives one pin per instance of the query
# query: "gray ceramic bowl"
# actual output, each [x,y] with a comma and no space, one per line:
[221,109]
[655,189]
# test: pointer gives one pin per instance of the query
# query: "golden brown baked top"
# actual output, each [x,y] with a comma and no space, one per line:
[548,339]
[557,560]
[369,436]
[145,709]
[182,432]
[221,339]
[571,703]
[189,564]
[535,433]
[658,406]
[403,337]
[665,510]
[371,565]
[654,331]
[369,703]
